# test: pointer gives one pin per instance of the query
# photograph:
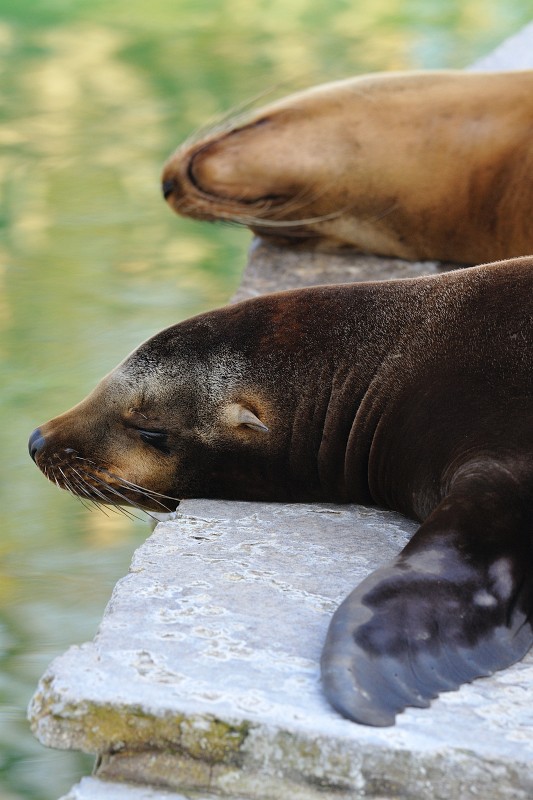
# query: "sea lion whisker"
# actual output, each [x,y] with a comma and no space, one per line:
[89,505]
[116,508]
[78,485]
[68,481]
[127,500]
[81,482]
[95,491]
[68,486]
[108,504]
[84,488]
[238,219]
[92,463]
[302,199]
[72,486]
[105,507]
[236,117]
[56,481]
[150,495]
[147,492]
[89,490]
[141,489]
[258,222]
[306,196]
[376,217]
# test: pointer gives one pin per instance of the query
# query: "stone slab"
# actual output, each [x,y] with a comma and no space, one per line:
[95,789]
[204,673]
[271,268]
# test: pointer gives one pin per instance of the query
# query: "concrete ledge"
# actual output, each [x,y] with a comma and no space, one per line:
[204,673]
[273,269]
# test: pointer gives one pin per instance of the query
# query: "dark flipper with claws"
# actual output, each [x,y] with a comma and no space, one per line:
[455,605]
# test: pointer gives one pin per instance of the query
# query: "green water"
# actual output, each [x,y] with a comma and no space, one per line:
[94,96]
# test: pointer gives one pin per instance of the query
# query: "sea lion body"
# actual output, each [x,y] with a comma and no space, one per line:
[433,165]
[416,395]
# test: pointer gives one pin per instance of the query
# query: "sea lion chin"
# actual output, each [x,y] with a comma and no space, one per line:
[429,165]
[416,395]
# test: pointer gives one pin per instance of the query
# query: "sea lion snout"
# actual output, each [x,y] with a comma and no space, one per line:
[48,447]
[240,167]
[36,443]
[242,175]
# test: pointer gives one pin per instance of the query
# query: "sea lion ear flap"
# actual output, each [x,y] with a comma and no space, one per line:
[236,414]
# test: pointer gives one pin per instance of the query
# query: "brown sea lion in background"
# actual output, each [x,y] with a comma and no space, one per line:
[416,395]
[433,165]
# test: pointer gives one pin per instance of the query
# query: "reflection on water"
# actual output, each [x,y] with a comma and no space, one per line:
[95,96]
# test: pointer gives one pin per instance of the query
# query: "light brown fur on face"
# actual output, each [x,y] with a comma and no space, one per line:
[416,165]
[97,454]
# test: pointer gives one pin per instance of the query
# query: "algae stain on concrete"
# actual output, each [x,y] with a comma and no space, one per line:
[213,740]
[98,729]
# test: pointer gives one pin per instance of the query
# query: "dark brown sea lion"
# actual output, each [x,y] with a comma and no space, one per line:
[416,395]
[433,165]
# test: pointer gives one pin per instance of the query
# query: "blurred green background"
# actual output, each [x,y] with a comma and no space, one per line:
[95,94]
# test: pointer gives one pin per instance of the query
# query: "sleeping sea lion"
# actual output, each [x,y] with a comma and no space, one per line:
[416,395]
[433,165]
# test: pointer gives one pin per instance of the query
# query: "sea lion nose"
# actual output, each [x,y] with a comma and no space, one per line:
[36,442]
[168,187]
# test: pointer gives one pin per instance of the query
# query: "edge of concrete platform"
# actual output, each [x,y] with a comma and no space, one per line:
[204,674]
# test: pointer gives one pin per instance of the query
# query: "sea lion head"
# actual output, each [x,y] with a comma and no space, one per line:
[277,171]
[376,164]
[205,408]
[182,416]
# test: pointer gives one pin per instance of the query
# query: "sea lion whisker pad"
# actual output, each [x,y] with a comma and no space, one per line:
[414,395]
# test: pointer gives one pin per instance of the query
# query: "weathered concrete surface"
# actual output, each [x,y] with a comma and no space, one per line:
[272,269]
[204,673]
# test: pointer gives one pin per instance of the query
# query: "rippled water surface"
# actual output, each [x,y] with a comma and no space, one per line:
[94,96]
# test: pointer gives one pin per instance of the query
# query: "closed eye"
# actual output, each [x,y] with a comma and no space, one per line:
[157,439]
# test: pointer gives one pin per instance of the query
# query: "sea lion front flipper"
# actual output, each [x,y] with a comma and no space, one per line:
[453,606]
